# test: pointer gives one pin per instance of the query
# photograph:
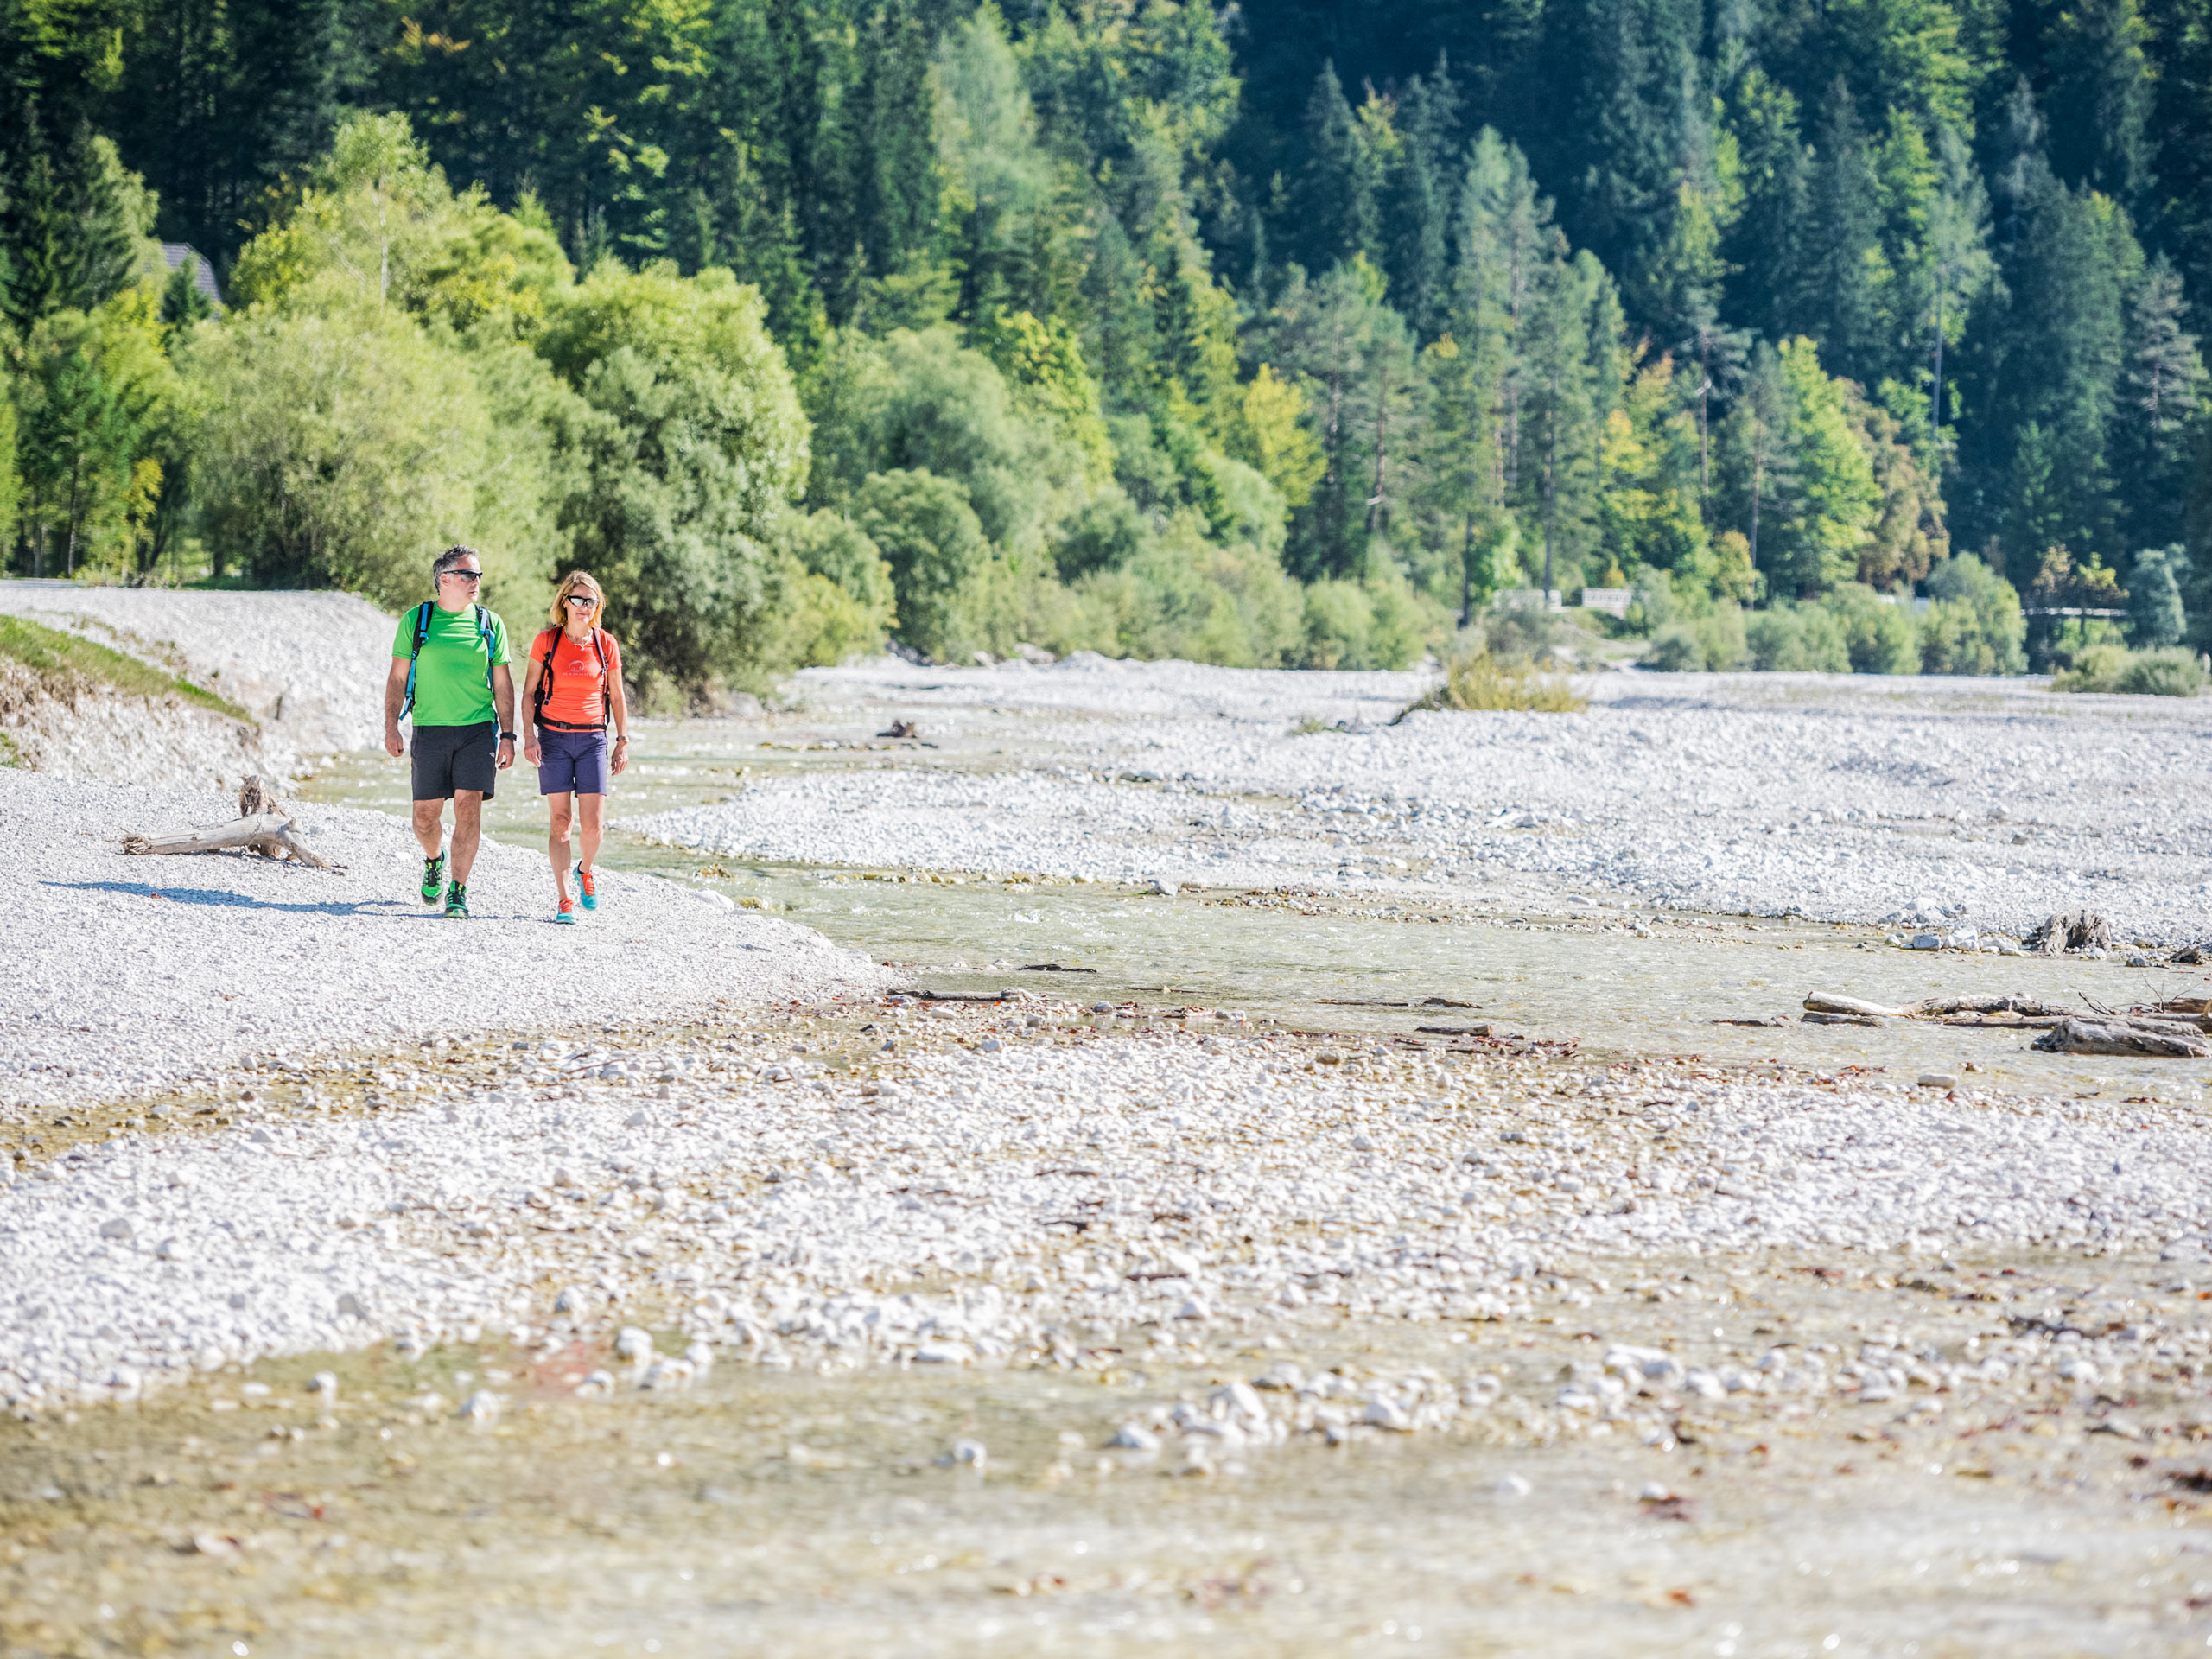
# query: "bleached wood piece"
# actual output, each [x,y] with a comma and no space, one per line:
[273,835]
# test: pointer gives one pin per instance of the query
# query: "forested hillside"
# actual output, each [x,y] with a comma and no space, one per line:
[1285,336]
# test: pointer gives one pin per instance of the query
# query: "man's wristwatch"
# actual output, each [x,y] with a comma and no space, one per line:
[506,737]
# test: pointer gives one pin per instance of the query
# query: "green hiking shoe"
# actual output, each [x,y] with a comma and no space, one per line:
[457,902]
[433,878]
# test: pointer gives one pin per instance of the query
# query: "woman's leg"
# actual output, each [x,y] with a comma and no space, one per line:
[557,842]
[591,812]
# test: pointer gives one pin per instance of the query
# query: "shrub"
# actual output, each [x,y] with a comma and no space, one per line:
[1879,638]
[1675,650]
[1479,681]
[1973,623]
[2095,668]
[2170,673]
[1796,639]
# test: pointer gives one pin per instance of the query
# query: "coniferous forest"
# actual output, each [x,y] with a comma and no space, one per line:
[1280,336]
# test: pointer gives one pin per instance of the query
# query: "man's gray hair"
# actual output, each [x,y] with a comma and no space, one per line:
[450,557]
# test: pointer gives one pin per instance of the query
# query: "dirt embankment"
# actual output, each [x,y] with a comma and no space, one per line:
[165,688]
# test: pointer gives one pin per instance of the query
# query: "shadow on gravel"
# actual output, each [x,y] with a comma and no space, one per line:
[208,896]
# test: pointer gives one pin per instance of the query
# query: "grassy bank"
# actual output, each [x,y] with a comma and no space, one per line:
[57,656]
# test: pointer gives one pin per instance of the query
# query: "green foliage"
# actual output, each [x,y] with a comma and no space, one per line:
[2114,667]
[833,594]
[1878,637]
[1716,641]
[940,558]
[1477,681]
[1797,638]
[1973,623]
[690,441]
[2167,673]
[1826,292]
[2155,619]
[342,450]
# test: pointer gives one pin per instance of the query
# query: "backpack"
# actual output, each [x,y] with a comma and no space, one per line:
[545,682]
[422,637]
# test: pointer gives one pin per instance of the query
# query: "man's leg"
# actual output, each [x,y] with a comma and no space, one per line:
[591,811]
[468,830]
[430,827]
[556,839]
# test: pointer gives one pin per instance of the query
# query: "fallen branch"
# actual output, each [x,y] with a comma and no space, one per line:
[1825,1017]
[1829,1003]
[1460,1030]
[272,835]
[2134,1042]
[1935,1007]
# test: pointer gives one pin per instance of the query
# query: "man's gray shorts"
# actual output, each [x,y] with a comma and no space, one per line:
[447,758]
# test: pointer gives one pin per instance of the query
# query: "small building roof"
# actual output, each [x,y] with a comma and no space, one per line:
[203,278]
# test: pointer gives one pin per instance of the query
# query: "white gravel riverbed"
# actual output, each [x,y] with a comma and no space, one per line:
[133,977]
[1175,1182]
[1840,798]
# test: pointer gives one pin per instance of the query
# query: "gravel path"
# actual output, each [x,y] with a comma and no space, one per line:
[1845,798]
[132,977]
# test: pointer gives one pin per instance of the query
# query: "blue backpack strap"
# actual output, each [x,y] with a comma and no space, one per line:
[422,634]
[484,638]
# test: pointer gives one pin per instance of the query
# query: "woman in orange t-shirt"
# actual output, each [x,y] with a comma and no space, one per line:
[574,691]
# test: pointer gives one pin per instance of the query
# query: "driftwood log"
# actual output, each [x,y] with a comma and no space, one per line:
[2069,930]
[2130,1040]
[262,826]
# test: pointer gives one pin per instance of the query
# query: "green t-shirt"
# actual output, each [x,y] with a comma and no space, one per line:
[450,684]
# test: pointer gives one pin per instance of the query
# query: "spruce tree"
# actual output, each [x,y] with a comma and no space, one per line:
[2159,423]
[1768,245]
[1338,213]
[1418,198]
[2155,616]
[1844,272]
[2100,97]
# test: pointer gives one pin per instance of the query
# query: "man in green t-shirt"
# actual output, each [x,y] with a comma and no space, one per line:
[464,709]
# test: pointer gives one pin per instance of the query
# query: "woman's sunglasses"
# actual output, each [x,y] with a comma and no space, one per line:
[585,599]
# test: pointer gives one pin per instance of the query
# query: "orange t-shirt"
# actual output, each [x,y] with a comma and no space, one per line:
[579,693]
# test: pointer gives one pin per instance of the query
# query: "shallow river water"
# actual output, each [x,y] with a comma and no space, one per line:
[1618,979]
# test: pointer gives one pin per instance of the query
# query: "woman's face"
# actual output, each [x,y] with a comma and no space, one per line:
[582,605]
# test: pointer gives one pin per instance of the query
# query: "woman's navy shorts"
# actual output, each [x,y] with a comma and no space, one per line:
[571,762]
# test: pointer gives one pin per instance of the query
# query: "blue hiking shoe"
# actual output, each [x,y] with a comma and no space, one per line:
[586,889]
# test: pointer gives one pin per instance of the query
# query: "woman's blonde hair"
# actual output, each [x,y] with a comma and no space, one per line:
[570,584]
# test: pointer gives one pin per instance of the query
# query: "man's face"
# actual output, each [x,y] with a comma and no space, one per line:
[457,586]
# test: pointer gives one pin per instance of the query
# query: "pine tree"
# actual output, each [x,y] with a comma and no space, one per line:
[1338,212]
[1767,248]
[1419,202]
[2160,422]
[2100,97]
[71,221]
[1846,271]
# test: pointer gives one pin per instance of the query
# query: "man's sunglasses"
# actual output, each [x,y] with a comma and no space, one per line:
[467,575]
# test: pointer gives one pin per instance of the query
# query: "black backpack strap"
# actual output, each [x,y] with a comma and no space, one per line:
[606,685]
[546,675]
